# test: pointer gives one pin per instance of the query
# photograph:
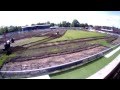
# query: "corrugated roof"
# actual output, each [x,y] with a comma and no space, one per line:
[36,25]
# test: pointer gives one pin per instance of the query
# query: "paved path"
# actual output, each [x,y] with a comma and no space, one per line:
[40,77]
[111,53]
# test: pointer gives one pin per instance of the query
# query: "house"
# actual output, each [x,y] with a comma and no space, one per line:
[109,30]
[54,27]
[91,29]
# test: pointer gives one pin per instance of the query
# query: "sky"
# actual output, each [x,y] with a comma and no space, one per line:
[22,18]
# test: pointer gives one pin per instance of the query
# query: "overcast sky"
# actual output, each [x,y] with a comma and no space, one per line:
[22,18]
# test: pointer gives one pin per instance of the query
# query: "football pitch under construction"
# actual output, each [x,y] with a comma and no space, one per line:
[43,49]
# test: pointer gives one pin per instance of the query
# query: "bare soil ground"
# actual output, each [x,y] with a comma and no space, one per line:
[50,61]
[36,55]
[29,34]
[117,41]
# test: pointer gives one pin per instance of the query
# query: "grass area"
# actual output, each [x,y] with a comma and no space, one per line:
[36,51]
[27,41]
[102,42]
[86,70]
[75,34]
[5,57]
[69,35]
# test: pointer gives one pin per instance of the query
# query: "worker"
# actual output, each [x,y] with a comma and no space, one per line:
[12,40]
[7,47]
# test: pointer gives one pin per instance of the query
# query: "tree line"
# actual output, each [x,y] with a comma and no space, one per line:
[75,23]
[7,29]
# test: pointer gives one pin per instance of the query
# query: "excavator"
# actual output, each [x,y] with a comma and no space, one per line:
[7,43]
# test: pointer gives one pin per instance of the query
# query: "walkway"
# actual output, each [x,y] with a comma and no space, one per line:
[40,77]
[106,70]
[113,52]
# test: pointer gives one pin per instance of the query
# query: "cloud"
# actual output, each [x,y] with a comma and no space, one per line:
[28,17]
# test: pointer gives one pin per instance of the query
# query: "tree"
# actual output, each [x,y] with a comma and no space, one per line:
[82,25]
[86,25]
[90,25]
[52,24]
[40,23]
[14,28]
[5,30]
[32,24]
[19,28]
[75,23]
[2,30]
[64,24]
[60,24]
[68,24]
[47,22]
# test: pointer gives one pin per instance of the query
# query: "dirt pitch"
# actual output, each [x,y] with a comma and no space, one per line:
[38,54]
[50,61]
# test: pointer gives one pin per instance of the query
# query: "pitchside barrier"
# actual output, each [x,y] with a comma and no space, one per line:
[115,74]
[53,69]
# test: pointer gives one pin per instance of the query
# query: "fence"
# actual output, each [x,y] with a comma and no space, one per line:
[115,74]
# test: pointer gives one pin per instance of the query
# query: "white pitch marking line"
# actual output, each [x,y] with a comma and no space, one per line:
[111,53]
